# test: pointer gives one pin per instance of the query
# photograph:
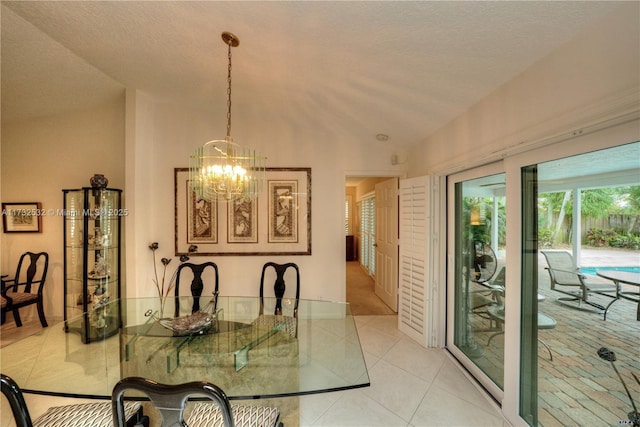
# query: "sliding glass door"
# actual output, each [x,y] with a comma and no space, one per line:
[547,357]
[584,208]
[478,275]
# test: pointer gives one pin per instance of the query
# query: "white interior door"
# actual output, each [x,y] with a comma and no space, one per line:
[387,242]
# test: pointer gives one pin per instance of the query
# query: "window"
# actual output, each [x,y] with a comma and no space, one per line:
[368,234]
[348,227]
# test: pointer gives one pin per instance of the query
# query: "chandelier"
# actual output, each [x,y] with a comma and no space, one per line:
[222,169]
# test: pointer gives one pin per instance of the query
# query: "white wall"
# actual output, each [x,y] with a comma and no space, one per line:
[171,132]
[591,83]
[592,77]
[40,157]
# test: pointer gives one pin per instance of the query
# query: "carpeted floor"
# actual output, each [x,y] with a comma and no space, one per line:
[361,293]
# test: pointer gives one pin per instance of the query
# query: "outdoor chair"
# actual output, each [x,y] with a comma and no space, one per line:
[288,323]
[490,293]
[26,286]
[496,312]
[171,401]
[197,284]
[97,414]
[566,278]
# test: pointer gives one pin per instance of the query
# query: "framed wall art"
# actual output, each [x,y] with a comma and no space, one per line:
[283,211]
[202,219]
[277,222]
[242,221]
[22,217]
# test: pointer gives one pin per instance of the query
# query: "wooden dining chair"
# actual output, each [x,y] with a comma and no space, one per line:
[26,286]
[171,402]
[287,322]
[197,284]
[96,414]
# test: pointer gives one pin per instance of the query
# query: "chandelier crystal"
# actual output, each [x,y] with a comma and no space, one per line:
[222,169]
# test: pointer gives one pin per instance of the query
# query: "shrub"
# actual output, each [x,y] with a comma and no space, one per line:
[599,237]
[544,237]
[624,241]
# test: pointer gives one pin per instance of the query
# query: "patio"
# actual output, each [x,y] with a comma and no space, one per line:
[578,388]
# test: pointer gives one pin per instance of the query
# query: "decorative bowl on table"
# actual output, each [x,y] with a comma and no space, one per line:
[193,324]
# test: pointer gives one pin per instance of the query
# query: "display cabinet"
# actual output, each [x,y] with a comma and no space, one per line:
[92,261]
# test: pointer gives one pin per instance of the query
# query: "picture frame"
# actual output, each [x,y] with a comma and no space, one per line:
[248,227]
[283,211]
[242,222]
[202,220]
[22,217]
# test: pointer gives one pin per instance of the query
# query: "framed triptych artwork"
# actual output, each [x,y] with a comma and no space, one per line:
[277,222]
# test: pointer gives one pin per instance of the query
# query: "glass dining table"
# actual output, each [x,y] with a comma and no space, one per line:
[248,359]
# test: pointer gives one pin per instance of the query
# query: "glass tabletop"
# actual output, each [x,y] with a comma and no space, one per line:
[237,350]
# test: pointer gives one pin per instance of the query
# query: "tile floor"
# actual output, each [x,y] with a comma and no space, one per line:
[439,394]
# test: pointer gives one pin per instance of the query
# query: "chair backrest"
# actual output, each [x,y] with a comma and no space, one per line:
[31,271]
[499,279]
[197,284]
[169,400]
[279,286]
[16,401]
[562,268]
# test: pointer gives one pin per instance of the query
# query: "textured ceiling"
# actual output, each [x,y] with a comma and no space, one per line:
[360,68]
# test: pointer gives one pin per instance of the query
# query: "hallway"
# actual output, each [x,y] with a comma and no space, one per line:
[361,292]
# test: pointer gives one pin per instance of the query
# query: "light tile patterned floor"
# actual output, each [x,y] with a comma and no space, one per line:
[413,386]
[410,386]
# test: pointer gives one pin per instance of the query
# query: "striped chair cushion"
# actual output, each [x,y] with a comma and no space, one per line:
[20,297]
[208,414]
[83,415]
[287,324]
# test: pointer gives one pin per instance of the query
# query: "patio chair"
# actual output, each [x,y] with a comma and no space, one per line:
[496,314]
[496,311]
[171,401]
[566,278]
[490,294]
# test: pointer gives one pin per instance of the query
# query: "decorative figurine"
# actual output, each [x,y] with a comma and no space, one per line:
[99,181]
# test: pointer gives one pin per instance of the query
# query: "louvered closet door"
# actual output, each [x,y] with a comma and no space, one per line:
[418,260]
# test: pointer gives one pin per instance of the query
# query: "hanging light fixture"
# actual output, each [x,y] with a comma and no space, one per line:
[222,169]
[478,215]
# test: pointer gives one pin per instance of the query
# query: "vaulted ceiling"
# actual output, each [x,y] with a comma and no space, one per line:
[398,68]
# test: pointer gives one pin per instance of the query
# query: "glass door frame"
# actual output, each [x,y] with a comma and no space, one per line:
[512,165]
[572,145]
[452,180]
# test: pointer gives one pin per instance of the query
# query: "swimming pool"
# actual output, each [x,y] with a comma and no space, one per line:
[592,270]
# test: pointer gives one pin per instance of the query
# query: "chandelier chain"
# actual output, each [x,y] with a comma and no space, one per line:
[229,94]
[222,169]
